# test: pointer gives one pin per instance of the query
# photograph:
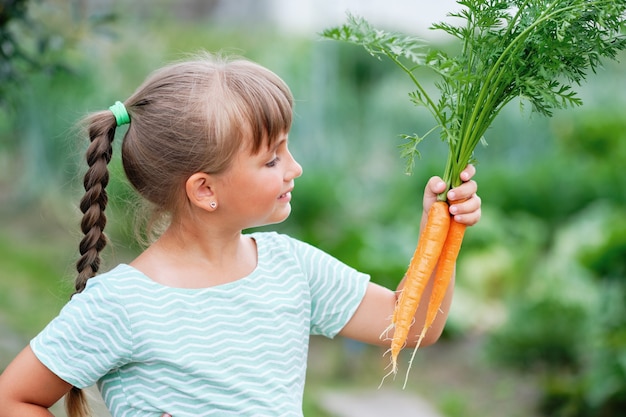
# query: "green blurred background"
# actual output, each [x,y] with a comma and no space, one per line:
[538,325]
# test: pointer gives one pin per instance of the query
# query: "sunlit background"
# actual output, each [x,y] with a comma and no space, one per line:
[538,324]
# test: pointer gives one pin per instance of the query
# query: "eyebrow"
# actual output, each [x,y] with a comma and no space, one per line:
[278,143]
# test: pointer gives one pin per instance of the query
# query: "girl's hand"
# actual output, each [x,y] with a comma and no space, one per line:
[465,204]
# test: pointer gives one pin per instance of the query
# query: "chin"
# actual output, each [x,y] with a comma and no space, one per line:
[274,219]
[280,217]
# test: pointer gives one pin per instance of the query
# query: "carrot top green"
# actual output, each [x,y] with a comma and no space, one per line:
[535,50]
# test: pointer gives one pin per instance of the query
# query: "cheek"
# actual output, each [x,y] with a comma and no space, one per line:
[255,188]
[259,187]
[268,190]
[269,181]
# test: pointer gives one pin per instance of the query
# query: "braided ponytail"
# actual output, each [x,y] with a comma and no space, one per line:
[92,205]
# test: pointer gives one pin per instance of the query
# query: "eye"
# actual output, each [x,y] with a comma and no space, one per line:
[273,162]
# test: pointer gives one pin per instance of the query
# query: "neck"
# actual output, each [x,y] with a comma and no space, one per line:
[196,257]
[199,241]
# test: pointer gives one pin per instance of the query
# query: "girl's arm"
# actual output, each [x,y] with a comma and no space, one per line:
[373,316]
[28,388]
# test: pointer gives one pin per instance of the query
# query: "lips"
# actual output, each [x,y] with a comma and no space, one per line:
[287,194]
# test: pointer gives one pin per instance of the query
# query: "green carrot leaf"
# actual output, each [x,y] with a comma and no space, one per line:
[534,50]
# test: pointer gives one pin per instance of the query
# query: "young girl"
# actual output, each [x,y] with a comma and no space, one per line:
[207,320]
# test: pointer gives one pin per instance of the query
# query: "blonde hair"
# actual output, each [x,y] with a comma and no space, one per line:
[190,116]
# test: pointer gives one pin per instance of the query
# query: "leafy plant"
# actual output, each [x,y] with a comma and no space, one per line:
[532,49]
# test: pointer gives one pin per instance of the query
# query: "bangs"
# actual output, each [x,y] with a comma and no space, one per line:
[264,102]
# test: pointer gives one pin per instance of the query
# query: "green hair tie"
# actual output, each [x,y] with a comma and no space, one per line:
[120,113]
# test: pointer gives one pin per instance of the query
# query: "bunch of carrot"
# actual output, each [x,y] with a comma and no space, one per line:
[438,247]
[531,49]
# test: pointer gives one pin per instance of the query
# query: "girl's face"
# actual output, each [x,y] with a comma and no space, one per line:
[256,189]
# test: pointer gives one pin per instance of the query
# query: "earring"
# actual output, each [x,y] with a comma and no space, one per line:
[213,204]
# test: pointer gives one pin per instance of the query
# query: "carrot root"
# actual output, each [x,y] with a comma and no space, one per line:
[418,274]
[444,272]
[438,246]
[442,279]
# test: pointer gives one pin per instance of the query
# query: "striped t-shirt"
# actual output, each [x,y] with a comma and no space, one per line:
[238,349]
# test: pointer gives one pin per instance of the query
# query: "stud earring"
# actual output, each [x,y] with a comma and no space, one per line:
[213,204]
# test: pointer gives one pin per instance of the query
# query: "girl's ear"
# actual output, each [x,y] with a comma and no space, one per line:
[199,191]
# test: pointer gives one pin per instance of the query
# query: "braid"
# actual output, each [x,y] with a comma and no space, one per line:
[94,202]
[76,403]
[92,205]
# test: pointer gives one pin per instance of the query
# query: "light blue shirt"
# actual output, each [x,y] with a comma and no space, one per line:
[238,349]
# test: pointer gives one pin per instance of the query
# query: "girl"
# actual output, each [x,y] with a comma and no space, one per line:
[207,320]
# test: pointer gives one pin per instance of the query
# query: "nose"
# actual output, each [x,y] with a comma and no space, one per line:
[294,170]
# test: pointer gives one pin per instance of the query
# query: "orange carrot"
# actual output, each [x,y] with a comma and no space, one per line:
[417,276]
[441,280]
[443,275]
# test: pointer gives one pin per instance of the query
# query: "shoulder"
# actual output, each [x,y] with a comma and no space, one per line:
[271,238]
[118,283]
[274,243]
[275,247]
[277,240]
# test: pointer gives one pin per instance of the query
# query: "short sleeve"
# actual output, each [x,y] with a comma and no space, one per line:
[89,338]
[336,289]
